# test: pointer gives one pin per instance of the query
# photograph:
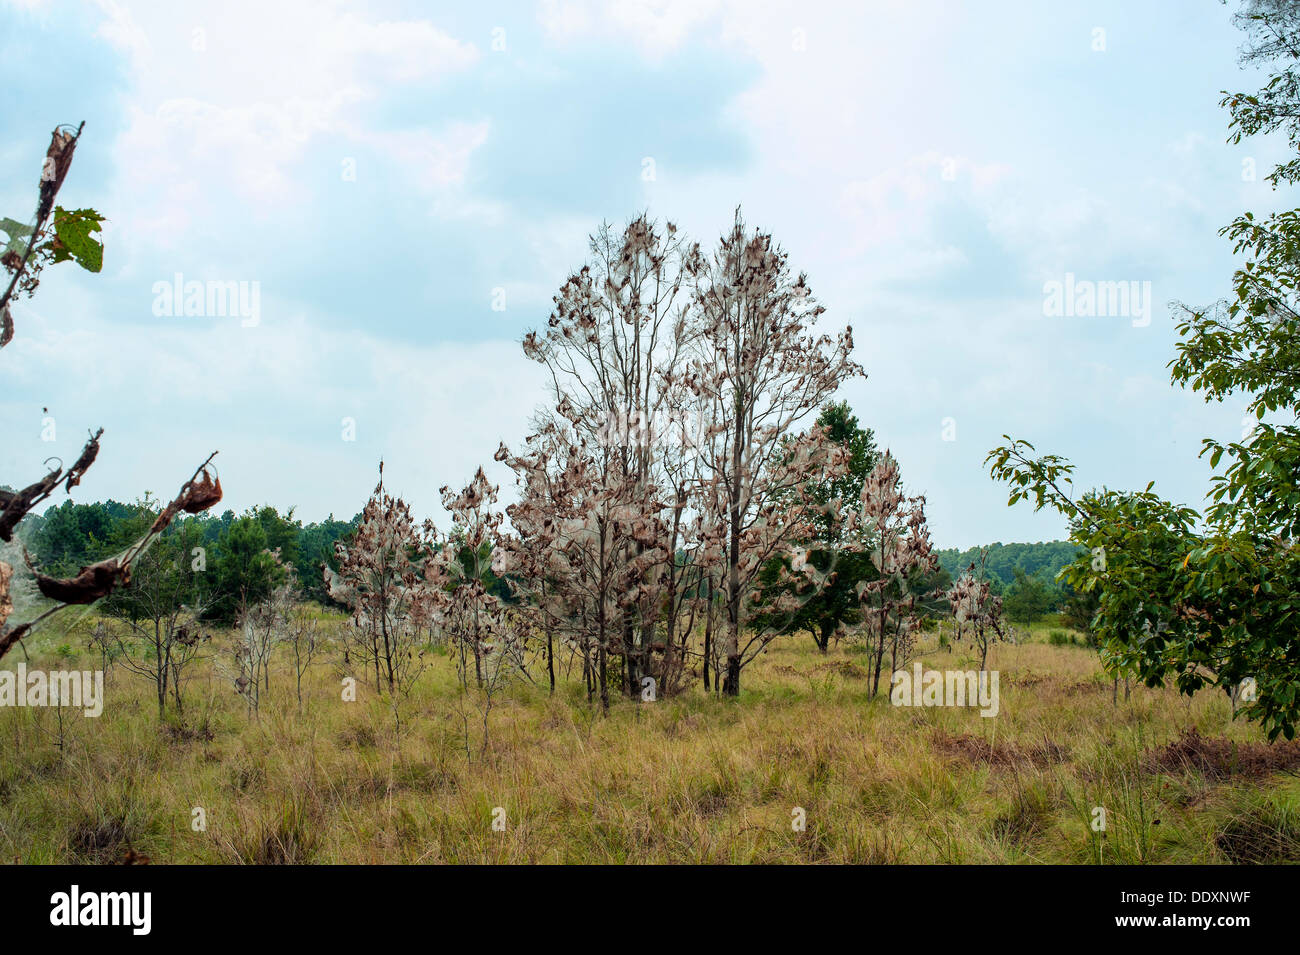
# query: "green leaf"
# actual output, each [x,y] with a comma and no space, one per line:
[74,232]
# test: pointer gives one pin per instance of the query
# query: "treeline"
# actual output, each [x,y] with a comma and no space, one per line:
[1042,560]
[72,535]
[1024,577]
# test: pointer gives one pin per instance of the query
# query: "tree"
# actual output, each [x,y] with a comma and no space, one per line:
[1028,598]
[316,551]
[760,372]
[671,468]
[574,536]
[616,348]
[1079,609]
[1213,599]
[473,617]
[302,636]
[900,550]
[1044,560]
[161,608]
[71,534]
[260,627]
[380,579]
[282,532]
[828,604]
[976,610]
[247,571]
[56,236]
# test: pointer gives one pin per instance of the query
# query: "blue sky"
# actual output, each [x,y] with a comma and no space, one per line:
[381,169]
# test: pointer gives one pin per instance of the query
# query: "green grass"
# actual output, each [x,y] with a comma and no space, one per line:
[693,778]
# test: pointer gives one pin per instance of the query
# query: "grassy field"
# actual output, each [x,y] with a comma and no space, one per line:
[689,779]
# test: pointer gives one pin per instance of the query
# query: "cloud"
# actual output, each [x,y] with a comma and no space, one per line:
[272,399]
[228,106]
[655,27]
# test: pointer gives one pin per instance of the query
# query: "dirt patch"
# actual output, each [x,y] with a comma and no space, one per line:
[976,750]
[180,733]
[100,841]
[1023,678]
[711,803]
[681,727]
[845,668]
[1220,758]
[359,737]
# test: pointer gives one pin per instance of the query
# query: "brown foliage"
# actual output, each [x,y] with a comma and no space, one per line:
[16,504]
[1220,758]
[1004,755]
[93,582]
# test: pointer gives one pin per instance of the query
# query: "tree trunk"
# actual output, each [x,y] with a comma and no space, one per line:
[160,673]
[604,683]
[731,682]
[631,659]
[708,633]
[388,650]
[550,658]
[879,655]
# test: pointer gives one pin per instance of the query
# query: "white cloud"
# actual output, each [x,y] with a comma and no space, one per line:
[225,107]
[271,399]
[432,161]
[655,27]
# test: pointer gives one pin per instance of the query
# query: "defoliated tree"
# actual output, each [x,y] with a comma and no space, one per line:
[762,372]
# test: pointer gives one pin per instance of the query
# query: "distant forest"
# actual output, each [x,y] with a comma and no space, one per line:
[1041,560]
[70,536]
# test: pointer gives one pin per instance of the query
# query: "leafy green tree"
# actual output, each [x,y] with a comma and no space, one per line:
[1078,610]
[246,571]
[316,550]
[71,535]
[1212,599]
[282,531]
[826,607]
[1028,598]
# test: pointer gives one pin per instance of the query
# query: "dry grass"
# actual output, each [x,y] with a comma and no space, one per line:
[689,779]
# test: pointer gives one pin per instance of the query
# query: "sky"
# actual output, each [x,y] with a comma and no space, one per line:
[400,189]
